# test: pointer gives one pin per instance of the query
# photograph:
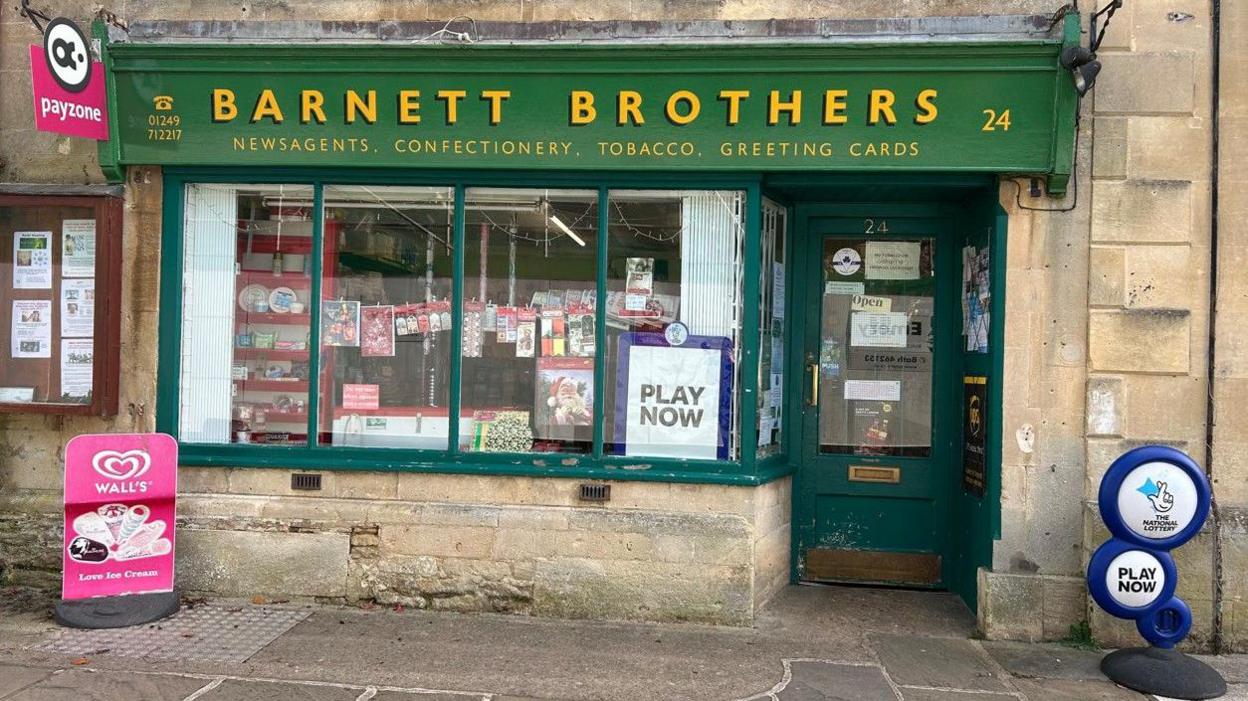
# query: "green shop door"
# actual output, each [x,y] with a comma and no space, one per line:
[879,346]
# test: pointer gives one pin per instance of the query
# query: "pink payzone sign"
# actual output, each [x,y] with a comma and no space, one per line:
[120,498]
[57,110]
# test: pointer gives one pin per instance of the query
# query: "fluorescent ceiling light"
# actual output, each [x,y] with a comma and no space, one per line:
[555,220]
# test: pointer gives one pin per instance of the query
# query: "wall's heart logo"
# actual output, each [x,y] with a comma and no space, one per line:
[121,466]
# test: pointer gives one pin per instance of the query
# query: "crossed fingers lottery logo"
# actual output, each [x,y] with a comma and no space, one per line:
[1161,499]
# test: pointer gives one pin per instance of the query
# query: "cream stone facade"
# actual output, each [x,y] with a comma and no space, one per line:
[1109,329]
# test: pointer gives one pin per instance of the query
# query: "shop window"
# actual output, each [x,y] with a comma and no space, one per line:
[674,256]
[247,254]
[386,316]
[350,341]
[771,329]
[530,281]
[60,263]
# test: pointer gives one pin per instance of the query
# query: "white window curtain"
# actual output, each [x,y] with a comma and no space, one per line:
[209,245]
[712,244]
[710,263]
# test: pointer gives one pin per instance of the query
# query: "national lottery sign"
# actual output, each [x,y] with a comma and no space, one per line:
[1152,499]
[674,401]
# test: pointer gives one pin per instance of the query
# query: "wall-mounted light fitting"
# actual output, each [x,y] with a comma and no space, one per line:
[1083,67]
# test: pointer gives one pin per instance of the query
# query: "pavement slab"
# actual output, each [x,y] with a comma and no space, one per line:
[436,696]
[811,644]
[1233,668]
[93,685]
[204,632]
[827,681]
[909,693]
[945,663]
[575,659]
[1046,661]
[237,690]
[1075,690]
[13,677]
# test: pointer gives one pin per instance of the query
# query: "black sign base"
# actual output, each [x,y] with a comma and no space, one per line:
[1161,672]
[116,611]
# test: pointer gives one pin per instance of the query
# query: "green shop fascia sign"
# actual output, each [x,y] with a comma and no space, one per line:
[981,106]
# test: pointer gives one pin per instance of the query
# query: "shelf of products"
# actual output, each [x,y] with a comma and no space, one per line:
[262,385]
[271,354]
[272,329]
[273,318]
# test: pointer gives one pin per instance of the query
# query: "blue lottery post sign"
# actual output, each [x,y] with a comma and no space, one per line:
[1152,499]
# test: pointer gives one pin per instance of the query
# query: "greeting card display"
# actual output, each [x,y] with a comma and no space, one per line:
[377,331]
[564,402]
[340,323]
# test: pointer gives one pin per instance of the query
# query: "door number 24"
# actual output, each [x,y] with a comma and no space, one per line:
[994,121]
[873,226]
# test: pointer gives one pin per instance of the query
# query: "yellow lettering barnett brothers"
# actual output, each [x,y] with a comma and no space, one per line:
[833,107]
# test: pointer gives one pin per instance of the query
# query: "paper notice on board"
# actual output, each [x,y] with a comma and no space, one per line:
[32,260]
[878,329]
[78,308]
[77,361]
[32,328]
[893,260]
[78,248]
[873,390]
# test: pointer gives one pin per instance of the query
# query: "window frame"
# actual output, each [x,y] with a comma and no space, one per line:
[106,370]
[744,471]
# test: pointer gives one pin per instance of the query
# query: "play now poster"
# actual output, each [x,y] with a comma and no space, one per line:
[120,499]
[676,399]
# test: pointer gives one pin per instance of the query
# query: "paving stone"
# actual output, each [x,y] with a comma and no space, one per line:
[826,681]
[90,685]
[1046,661]
[434,696]
[234,690]
[1233,668]
[946,663]
[1074,690]
[13,677]
[916,694]
[209,632]
[1236,692]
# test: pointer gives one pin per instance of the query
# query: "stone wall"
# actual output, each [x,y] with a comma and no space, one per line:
[656,551]
[1230,378]
[1107,324]
[1149,280]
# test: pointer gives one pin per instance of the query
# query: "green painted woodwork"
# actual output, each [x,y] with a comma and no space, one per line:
[594,466]
[974,84]
[830,511]
[967,524]
[977,520]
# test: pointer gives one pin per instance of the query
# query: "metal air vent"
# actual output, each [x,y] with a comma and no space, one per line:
[308,481]
[595,492]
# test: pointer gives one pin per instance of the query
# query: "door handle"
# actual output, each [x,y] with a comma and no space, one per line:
[814,384]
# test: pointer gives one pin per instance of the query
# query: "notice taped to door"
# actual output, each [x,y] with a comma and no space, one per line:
[878,329]
[893,260]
